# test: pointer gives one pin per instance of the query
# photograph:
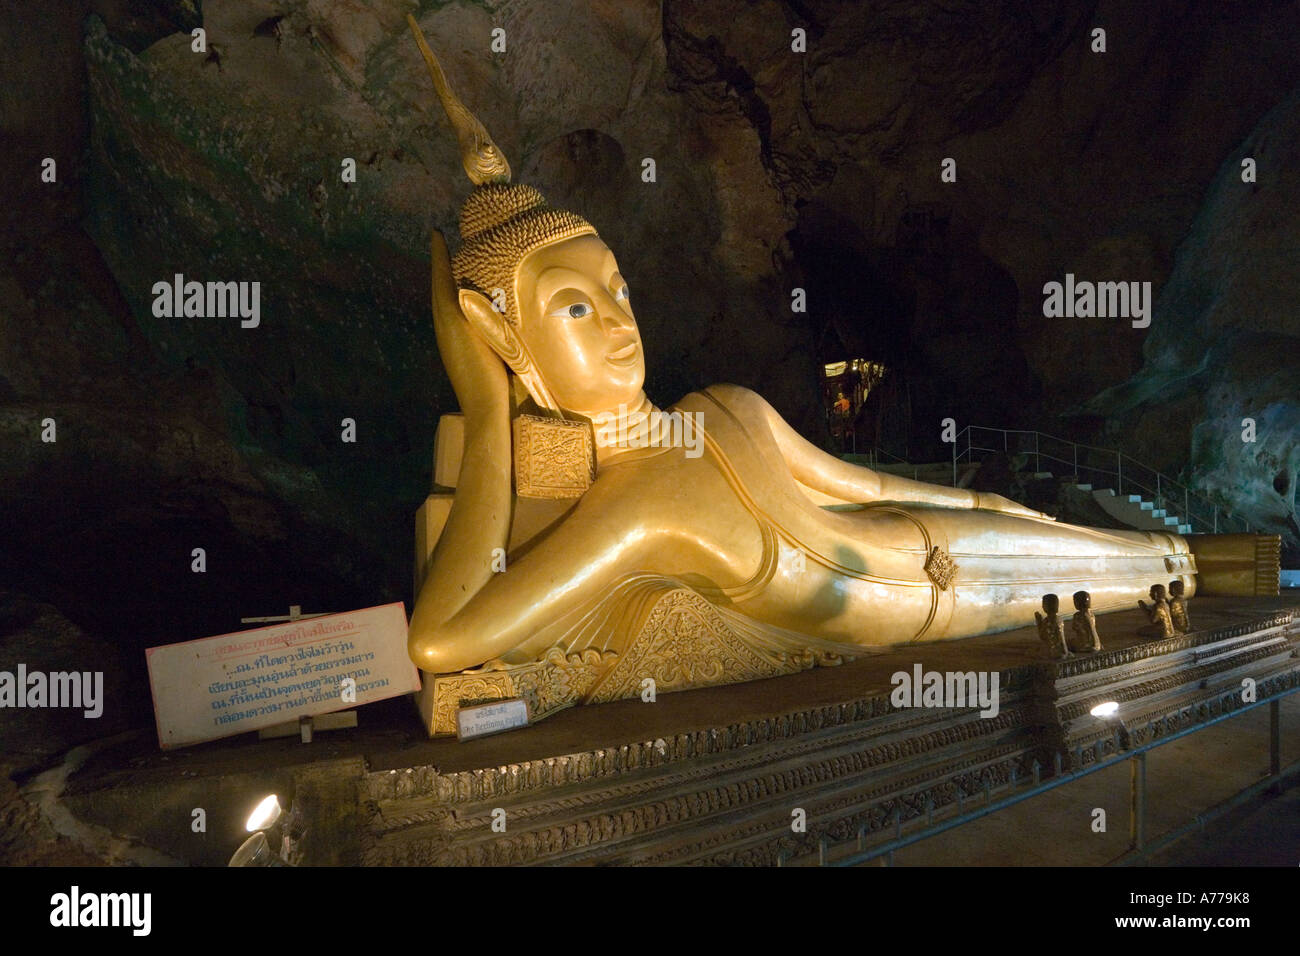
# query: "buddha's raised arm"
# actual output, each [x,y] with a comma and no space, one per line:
[580,561]
[480,519]
[617,530]
[853,484]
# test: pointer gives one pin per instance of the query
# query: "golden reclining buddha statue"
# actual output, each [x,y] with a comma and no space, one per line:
[583,553]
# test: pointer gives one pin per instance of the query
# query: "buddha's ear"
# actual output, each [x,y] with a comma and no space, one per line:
[490,324]
[505,341]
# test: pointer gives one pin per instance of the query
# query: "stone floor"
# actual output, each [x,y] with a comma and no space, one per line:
[1184,778]
[1265,832]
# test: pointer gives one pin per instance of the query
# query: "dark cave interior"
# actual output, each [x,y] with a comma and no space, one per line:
[817,171]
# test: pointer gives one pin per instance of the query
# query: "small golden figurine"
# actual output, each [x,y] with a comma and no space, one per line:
[1083,626]
[1050,629]
[1178,606]
[1162,624]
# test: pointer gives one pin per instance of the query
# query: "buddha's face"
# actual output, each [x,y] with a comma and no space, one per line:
[577,324]
[1158,592]
[1176,589]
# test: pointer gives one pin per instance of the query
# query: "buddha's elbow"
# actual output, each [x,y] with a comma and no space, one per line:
[442,650]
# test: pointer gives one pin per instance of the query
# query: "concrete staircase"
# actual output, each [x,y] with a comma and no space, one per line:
[1136,512]
[1035,457]
[1132,511]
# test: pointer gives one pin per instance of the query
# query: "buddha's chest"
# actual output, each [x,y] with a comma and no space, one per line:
[703,526]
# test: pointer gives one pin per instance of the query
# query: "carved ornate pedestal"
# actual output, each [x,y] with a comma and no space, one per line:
[710,776]
[716,782]
[683,643]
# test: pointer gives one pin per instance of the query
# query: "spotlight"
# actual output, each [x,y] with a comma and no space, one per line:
[256,851]
[264,815]
[1109,710]
[277,835]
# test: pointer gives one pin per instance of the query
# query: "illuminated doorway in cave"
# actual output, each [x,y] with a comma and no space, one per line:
[845,387]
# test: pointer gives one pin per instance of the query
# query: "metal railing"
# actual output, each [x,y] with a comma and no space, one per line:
[1017,790]
[873,457]
[1102,468]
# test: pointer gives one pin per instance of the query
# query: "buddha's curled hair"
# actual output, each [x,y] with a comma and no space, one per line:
[500,223]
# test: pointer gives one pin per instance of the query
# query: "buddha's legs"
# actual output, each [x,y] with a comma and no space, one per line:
[1006,564]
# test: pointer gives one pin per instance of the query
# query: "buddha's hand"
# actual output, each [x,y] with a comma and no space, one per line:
[986,501]
[476,374]
[479,520]
[446,303]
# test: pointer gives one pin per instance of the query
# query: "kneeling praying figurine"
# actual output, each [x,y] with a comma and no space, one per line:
[1050,629]
[1162,624]
[1083,626]
[1178,607]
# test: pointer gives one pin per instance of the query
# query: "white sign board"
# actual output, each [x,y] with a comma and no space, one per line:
[483,719]
[235,683]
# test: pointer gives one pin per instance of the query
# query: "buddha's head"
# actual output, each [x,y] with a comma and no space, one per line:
[536,283]
[1082,600]
[1158,592]
[1051,603]
[1176,588]
[546,294]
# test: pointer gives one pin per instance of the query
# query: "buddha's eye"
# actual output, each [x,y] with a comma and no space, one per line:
[579,310]
[621,294]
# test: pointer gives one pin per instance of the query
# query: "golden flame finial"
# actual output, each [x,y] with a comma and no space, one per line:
[483,162]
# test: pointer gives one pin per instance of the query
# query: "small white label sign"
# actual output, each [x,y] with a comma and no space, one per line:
[234,683]
[484,719]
